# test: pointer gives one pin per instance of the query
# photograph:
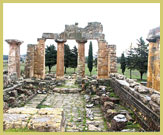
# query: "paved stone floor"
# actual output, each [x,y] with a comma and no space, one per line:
[75,110]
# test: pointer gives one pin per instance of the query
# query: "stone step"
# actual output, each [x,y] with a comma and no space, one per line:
[66,90]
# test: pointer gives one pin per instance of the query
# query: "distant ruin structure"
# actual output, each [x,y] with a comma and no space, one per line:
[153,76]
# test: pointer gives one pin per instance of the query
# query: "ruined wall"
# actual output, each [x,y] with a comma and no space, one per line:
[112,59]
[17,93]
[145,102]
[29,65]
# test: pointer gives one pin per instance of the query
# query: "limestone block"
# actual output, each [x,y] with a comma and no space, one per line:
[51,111]
[45,123]
[15,120]
[22,110]
[119,122]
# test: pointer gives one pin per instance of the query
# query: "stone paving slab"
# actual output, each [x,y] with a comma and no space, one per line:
[36,100]
[15,120]
[43,120]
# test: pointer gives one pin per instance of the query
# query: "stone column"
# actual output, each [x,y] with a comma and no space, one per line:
[60,59]
[112,59]
[81,59]
[153,74]
[29,65]
[102,61]
[14,56]
[39,59]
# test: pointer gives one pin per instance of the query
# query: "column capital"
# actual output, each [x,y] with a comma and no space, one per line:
[101,40]
[60,40]
[81,41]
[154,35]
[14,41]
[38,39]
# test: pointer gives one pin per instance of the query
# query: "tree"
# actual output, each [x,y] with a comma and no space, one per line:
[141,53]
[90,58]
[123,63]
[50,56]
[74,58]
[67,54]
[131,60]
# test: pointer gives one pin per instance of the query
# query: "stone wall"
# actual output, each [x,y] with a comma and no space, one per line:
[18,92]
[145,102]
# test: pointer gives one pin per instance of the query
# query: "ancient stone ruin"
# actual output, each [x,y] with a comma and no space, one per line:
[107,102]
[93,31]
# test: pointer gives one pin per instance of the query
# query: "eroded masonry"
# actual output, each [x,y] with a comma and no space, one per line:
[93,31]
[55,102]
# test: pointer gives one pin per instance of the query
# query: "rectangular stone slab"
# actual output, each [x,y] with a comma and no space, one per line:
[15,120]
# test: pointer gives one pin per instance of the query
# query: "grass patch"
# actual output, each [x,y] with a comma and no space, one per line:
[43,106]
[135,73]
[112,94]
[19,130]
[133,125]
[66,86]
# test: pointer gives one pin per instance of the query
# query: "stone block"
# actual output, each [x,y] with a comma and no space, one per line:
[15,120]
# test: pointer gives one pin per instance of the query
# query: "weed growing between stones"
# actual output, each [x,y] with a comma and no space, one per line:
[42,106]
[19,130]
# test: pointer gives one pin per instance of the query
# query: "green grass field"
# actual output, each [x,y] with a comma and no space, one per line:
[135,73]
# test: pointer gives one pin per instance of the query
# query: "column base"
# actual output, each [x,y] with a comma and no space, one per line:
[59,77]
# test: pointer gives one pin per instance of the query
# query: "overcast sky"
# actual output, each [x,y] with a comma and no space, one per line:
[122,23]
